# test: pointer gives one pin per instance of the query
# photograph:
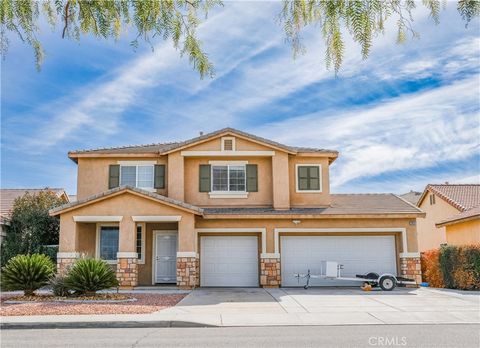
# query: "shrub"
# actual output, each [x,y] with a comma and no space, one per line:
[467,274]
[88,276]
[448,264]
[30,228]
[431,268]
[27,273]
[59,288]
[454,267]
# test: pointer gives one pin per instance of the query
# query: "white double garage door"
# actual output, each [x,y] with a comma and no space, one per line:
[233,261]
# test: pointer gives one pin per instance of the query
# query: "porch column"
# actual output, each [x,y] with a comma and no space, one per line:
[270,276]
[187,257]
[127,269]
[411,267]
[68,244]
[410,263]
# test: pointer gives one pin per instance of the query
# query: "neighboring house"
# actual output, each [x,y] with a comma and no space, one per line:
[412,197]
[8,197]
[463,228]
[450,208]
[229,209]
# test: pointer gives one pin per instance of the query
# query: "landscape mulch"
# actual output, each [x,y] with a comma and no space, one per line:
[145,303]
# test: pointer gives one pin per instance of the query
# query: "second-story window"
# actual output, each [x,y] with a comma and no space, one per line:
[309,178]
[137,176]
[228,178]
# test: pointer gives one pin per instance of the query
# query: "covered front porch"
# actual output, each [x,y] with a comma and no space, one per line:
[149,239]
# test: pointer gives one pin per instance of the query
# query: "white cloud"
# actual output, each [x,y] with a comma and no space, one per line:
[410,132]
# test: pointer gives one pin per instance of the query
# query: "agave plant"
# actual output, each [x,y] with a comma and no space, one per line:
[87,276]
[27,273]
[59,288]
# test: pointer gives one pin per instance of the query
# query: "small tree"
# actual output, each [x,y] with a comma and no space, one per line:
[30,227]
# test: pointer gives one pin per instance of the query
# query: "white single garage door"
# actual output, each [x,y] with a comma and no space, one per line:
[229,261]
[357,254]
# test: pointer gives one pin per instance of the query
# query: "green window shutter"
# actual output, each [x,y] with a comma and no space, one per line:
[302,178]
[252,177]
[113,176]
[204,178]
[314,178]
[159,178]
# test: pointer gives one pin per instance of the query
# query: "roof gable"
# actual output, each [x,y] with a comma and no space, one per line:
[127,189]
[8,197]
[467,215]
[460,196]
[166,148]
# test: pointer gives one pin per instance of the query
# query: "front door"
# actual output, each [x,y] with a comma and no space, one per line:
[165,257]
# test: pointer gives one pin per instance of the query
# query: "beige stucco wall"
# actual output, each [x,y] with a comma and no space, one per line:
[176,182]
[81,237]
[261,198]
[273,223]
[298,199]
[275,175]
[86,239]
[240,145]
[463,233]
[280,181]
[92,174]
[429,236]
[126,205]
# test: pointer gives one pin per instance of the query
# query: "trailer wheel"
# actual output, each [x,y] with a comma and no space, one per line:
[387,283]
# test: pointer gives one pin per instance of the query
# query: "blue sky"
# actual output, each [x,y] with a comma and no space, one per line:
[406,116]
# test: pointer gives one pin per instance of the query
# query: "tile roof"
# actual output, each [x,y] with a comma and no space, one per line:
[461,196]
[342,204]
[57,210]
[166,147]
[412,196]
[470,214]
[8,196]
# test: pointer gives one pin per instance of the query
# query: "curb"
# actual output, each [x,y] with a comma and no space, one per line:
[102,325]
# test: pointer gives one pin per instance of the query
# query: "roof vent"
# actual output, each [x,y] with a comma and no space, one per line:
[201,133]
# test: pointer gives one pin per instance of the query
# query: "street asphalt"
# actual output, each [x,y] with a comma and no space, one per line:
[440,335]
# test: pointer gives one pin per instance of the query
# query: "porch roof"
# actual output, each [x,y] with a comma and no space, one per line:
[122,189]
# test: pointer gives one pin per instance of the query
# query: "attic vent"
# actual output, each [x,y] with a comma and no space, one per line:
[228,144]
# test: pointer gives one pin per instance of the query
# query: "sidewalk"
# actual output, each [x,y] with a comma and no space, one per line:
[276,307]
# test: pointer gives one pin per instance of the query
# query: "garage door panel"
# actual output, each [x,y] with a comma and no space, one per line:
[358,255]
[229,261]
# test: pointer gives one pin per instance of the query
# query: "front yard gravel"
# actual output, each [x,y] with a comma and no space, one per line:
[146,303]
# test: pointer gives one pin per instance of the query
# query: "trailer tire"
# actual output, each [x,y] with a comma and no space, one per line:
[387,283]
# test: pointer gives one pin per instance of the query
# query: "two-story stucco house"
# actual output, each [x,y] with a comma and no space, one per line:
[452,215]
[229,209]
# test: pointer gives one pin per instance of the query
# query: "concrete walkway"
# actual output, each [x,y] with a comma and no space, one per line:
[291,306]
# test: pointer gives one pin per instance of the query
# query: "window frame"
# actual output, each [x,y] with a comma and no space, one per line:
[320,181]
[233,144]
[97,240]
[141,260]
[138,164]
[228,193]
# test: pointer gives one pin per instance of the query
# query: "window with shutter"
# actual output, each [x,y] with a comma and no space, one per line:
[309,178]
[204,178]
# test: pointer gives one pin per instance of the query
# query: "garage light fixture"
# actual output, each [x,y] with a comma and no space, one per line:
[296,222]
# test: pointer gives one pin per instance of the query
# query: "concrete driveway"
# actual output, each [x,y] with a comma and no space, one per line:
[326,306]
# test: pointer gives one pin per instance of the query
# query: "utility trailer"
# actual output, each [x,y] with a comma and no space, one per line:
[332,270]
